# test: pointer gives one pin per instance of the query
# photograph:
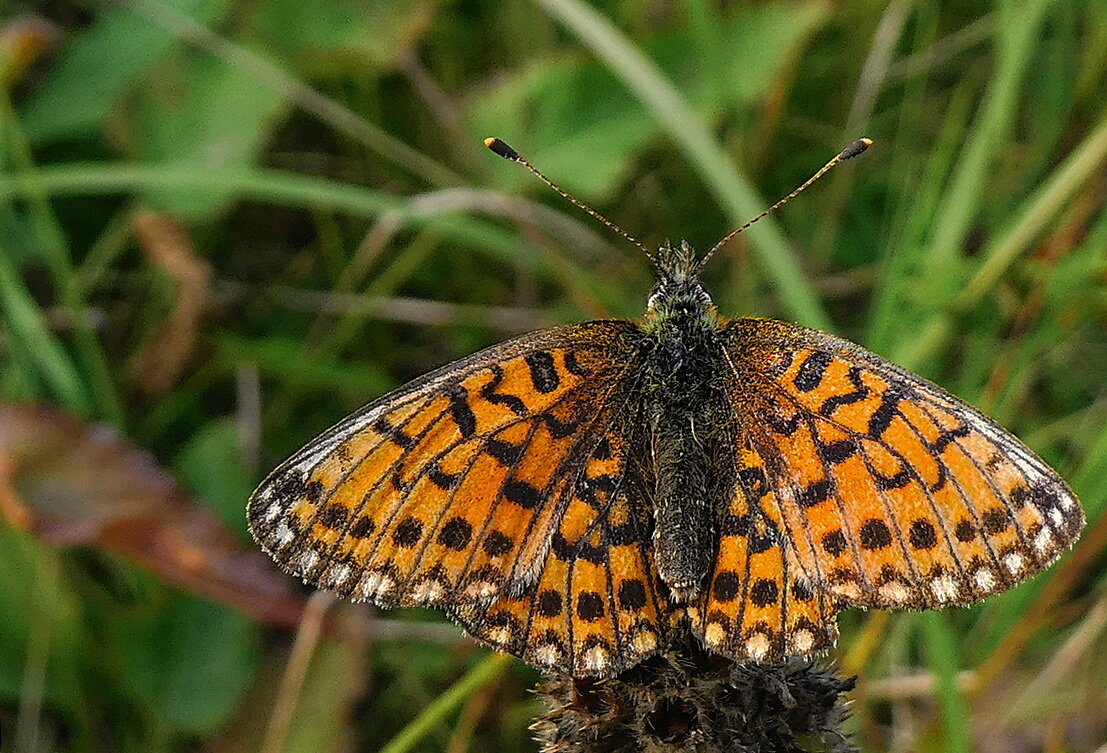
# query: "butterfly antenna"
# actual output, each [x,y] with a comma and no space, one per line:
[505,151]
[851,151]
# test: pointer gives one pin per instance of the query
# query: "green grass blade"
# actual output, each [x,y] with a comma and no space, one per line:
[35,343]
[271,75]
[942,272]
[940,645]
[269,186]
[57,257]
[1019,28]
[437,711]
[1083,166]
[731,188]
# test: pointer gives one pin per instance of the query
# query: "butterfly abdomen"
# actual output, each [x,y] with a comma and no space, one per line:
[685,395]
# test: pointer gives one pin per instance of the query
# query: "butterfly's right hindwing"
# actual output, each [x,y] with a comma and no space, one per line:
[445,490]
[598,605]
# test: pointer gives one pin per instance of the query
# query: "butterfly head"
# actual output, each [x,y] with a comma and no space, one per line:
[678,298]
[678,293]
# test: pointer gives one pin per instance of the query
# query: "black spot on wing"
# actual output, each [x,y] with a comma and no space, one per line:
[947,437]
[784,426]
[590,553]
[557,428]
[837,452]
[561,548]
[393,434]
[333,517]
[753,480]
[764,592]
[811,371]
[589,606]
[293,485]
[995,520]
[572,365]
[407,533]
[362,527]
[923,535]
[762,537]
[549,603]
[632,594]
[834,543]
[881,418]
[496,543]
[726,586]
[965,530]
[780,365]
[506,453]
[543,373]
[813,494]
[734,525]
[455,534]
[522,494]
[595,490]
[460,411]
[874,534]
[441,479]
[898,480]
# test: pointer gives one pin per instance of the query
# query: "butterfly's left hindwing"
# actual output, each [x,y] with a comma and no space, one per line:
[446,491]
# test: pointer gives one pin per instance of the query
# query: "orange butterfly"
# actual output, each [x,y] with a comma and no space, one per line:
[581,496]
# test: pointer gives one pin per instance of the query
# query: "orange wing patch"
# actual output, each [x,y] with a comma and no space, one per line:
[598,605]
[445,491]
[759,604]
[894,493]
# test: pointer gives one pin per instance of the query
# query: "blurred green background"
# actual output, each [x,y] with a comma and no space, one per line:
[224,224]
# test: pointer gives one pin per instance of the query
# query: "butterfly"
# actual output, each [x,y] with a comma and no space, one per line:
[582,496]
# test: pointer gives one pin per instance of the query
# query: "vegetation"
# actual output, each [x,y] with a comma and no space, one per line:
[224,225]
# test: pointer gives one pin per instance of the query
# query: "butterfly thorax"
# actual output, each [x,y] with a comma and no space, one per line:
[684,398]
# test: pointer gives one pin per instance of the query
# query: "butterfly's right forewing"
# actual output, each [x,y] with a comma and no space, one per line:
[892,492]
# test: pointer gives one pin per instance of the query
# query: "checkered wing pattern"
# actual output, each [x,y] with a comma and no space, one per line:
[598,605]
[760,603]
[449,490]
[885,490]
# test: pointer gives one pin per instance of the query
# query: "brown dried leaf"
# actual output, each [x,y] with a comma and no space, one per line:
[22,42]
[72,483]
[165,242]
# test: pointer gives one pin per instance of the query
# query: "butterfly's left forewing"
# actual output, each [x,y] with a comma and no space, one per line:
[447,490]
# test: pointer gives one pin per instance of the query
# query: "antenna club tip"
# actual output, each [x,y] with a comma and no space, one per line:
[502,149]
[856,148]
